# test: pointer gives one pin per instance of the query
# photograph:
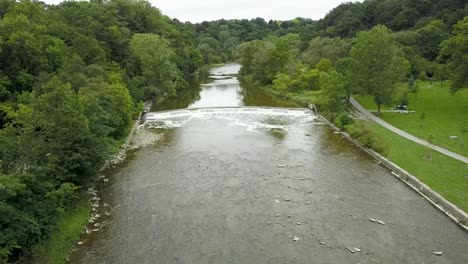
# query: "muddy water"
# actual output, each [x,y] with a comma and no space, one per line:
[263,186]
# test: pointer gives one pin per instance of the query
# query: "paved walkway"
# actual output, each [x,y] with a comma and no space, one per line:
[394,111]
[402,133]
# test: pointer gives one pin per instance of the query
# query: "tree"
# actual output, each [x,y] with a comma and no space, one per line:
[108,107]
[430,140]
[324,47]
[53,133]
[154,68]
[333,84]
[430,37]
[377,65]
[344,67]
[455,52]
[463,132]
[324,65]
[422,117]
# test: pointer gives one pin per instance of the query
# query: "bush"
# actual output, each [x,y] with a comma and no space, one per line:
[343,120]
[367,137]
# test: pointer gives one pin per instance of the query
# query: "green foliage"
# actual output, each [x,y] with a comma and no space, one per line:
[455,52]
[367,137]
[334,92]
[63,236]
[73,72]
[218,40]
[153,66]
[108,107]
[377,66]
[324,65]
[308,79]
[324,47]
[349,18]
[264,60]
[66,101]
[343,121]
[463,132]
[283,83]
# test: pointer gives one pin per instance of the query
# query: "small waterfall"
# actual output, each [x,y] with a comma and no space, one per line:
[250,117]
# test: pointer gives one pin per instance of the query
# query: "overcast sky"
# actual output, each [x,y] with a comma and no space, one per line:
[202,10]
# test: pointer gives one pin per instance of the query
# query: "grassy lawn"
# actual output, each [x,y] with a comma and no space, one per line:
[311,96]
[444,115]
[443,174]
[65,235]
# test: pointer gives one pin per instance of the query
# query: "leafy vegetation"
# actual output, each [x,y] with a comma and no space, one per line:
[77,71]
[67,230]
[68,95]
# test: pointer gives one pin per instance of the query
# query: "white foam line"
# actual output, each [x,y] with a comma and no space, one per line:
[221,111]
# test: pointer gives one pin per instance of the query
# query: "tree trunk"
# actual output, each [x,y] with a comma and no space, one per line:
[378,109]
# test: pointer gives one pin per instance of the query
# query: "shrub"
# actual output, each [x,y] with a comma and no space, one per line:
[367,137]
[343,120]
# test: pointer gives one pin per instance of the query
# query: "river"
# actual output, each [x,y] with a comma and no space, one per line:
[258,186]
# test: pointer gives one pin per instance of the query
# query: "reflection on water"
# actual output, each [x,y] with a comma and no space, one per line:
[222,88]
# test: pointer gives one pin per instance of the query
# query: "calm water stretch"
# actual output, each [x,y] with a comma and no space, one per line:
[257,186]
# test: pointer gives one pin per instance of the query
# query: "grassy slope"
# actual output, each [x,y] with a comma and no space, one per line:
[444,114]
[445,175]
[66,233]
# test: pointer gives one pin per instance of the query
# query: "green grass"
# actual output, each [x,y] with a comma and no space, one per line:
[65,235]
[368,103]
[311,96]
[447,176]
[444,111]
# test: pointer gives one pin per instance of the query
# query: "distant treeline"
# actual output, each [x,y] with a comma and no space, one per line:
[217,39]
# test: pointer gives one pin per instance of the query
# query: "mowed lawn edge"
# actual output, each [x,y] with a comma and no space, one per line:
[445,175]
[444,115]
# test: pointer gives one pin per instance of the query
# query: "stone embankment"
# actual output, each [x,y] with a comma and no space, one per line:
[448,208]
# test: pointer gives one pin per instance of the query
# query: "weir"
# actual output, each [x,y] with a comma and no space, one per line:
[223,111]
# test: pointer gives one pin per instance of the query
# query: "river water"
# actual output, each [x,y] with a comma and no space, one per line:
[257,186]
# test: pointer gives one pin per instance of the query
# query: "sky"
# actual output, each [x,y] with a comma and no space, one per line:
[206,10]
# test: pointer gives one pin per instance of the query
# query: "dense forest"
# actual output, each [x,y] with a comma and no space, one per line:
[71,80]
[73,76]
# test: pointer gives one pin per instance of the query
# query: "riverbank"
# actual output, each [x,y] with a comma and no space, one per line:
[66,233]
[442,174]
[437,196]
[72,224]
[301,98]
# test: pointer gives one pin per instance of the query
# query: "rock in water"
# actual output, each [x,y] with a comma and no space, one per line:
[437,253]
[376,221]
[353,249]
